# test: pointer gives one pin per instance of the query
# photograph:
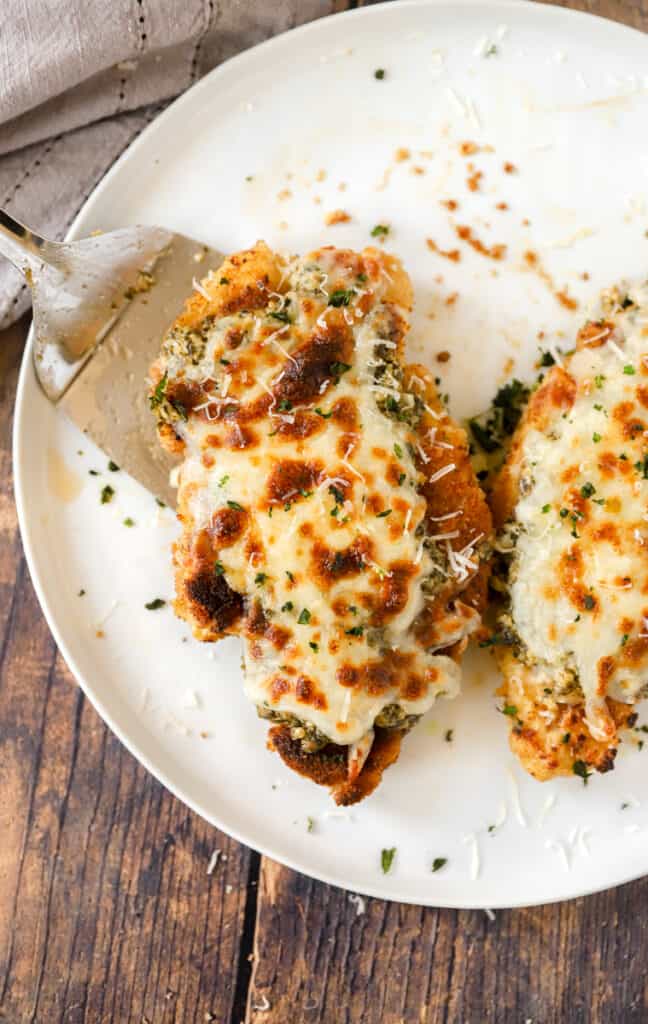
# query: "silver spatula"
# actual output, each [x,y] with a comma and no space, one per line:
[101,306]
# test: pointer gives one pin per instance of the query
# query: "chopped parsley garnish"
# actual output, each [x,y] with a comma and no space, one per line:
[387,859]
[580,768]
[235,505]
[219,568]
[564,512]
[507,407]
[629,370]
[484,437]
[566,738]
[324,415]
[589,602]
[624,639]
[313,646]
[284,405]
[113,467]
[503,417]
[398,451]
[310,824]
[223,480]
[599,407]
[448,735]
[546,359]
[157,397]
[161,503]
[642,467]
[599,380]
[157,602]
[304,617]
[546,508]
[596,437]
[341,297]
[128,521]
[260,579]
[337,369]
[224,362]
[379,73]
[355,631]
[81,593]
[587,490]
[380,230]
[337,494]
[383,515]
[93,472]
[287,607]
[282,315]
[510,709]
[401,479]
[290,576]
[438,863]
[107,494]
[225,280]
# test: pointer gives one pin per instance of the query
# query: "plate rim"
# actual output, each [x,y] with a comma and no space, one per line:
[18,442]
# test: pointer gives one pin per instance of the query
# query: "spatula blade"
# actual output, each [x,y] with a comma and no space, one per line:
[108,399]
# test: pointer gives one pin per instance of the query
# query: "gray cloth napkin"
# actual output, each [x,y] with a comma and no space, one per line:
[79,79]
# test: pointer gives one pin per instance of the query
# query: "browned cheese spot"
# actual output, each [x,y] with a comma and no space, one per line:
[306,692]
[213,601]
[227,525]
[313,363]
[290,477]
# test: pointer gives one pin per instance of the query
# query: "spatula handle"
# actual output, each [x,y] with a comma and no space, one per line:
[20,245]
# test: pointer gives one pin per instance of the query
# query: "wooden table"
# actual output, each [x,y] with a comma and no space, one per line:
[107,913]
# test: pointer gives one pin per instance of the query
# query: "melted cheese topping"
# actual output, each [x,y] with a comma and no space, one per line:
[312,501]
[579,589]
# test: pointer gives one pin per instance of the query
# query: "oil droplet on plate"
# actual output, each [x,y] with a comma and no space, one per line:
[63,482]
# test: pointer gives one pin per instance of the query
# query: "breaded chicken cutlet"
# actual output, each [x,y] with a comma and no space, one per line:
[330,515]
[571,509]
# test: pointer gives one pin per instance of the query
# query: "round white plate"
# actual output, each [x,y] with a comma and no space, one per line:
[564,98]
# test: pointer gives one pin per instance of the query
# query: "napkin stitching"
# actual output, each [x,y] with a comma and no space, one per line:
[49,145]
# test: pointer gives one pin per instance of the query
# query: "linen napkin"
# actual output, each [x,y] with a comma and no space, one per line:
[79,79]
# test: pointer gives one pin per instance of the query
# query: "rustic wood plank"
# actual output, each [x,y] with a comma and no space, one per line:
[317,960]
[631,12]
[107,912]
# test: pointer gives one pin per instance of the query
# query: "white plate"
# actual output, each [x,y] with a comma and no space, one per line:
[565,99]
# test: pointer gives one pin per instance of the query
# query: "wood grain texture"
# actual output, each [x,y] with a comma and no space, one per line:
[631,12]
[108,915]
[107,912]
[318,960]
